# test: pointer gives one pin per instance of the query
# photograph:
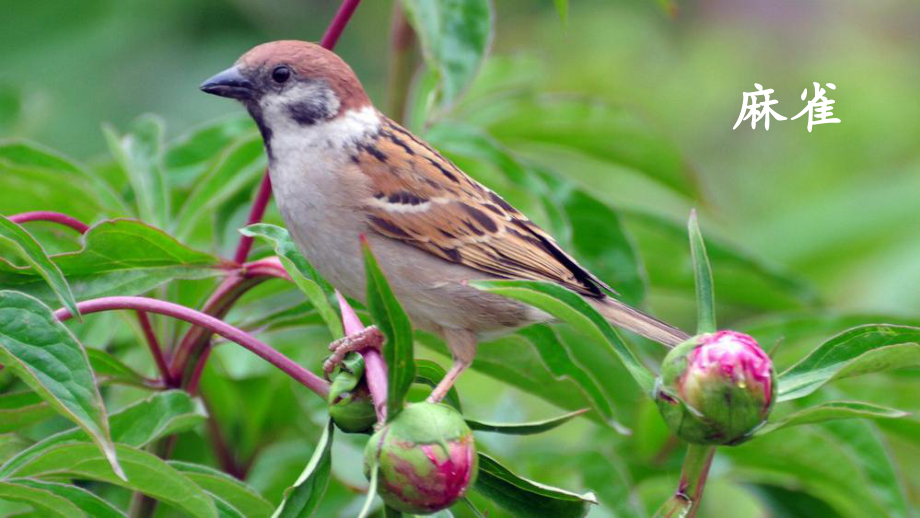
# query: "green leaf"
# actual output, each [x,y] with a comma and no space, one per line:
[318,291]
[44,354]
[109,369]
[525,498]
[531,428]
[243,498]
[20,409]
[190,154]
[702,274]
[454,36]
[857,351]
[28,248]
[371,490]
[237,167]
[139,152]
[42,500]
[89,503]
[743,279]
[145,473]
[119,257]
[393,322]
[601,131]
[572,309]
[430,373]
[303,498]
[537,362]
[33,177]
[831,410]
[844,463]
[147,420]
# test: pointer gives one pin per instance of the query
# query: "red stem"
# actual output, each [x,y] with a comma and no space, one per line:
[338,23]
[54,217]
[375,369]
[255,215]
[336,27]
[217,326]
[155,350]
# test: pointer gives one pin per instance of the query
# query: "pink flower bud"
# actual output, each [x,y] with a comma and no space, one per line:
[716,388]
[426,459]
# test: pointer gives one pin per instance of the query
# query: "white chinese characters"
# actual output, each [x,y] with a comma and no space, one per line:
[819,108]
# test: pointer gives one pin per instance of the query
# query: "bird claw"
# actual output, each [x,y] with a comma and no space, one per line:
[368,338]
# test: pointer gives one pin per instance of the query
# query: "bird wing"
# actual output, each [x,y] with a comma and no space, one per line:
[422,199]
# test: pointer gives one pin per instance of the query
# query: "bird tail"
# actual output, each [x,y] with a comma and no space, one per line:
[622,315]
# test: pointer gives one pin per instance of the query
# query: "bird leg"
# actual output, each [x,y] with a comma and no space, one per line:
[462,345]
[368,338]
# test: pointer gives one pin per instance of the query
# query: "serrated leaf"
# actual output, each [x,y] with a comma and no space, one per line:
[138,152]
[145,473]
[303,498]
[243,498]
[525,498]
[44,354]
[857,351]
[43,501]
[86,501]
[19,409]
[137,425]
[572,309]
[830,411]
[28,249]
[319,292]
[394,324]
[237,167]
[454,36]
[702,275]
[530,428]
[119,257]
[430,373]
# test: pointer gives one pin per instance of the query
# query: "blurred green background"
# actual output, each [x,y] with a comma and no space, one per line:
[838,207]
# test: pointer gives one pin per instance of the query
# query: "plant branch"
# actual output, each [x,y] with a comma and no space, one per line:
[686,500]
[54,217]
[402,62]
[155,350]
[215,325]
[218,305]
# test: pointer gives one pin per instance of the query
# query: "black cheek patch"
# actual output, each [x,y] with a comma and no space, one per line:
[307,113]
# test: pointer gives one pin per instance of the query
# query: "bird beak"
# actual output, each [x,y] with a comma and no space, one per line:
[229,83]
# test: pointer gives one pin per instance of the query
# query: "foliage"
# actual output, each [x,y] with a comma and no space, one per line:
[164,213]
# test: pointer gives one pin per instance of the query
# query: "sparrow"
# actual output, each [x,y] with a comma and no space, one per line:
[340,169]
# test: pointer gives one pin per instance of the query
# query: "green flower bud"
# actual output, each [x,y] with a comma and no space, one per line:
[426,459]
[716,388]
[350,403]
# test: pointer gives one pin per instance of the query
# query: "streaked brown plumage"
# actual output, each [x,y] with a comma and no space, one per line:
[341,169]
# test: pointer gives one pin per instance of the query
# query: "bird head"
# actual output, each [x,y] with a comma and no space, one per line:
[288,84]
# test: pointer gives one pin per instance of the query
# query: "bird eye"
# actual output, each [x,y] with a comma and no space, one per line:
[281,74]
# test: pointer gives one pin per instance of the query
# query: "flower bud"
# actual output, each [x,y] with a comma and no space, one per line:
[426,459]
[716,388]
[350,403]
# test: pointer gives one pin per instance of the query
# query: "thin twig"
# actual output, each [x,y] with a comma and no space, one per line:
[154,345]
[215,325]
[54,217]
